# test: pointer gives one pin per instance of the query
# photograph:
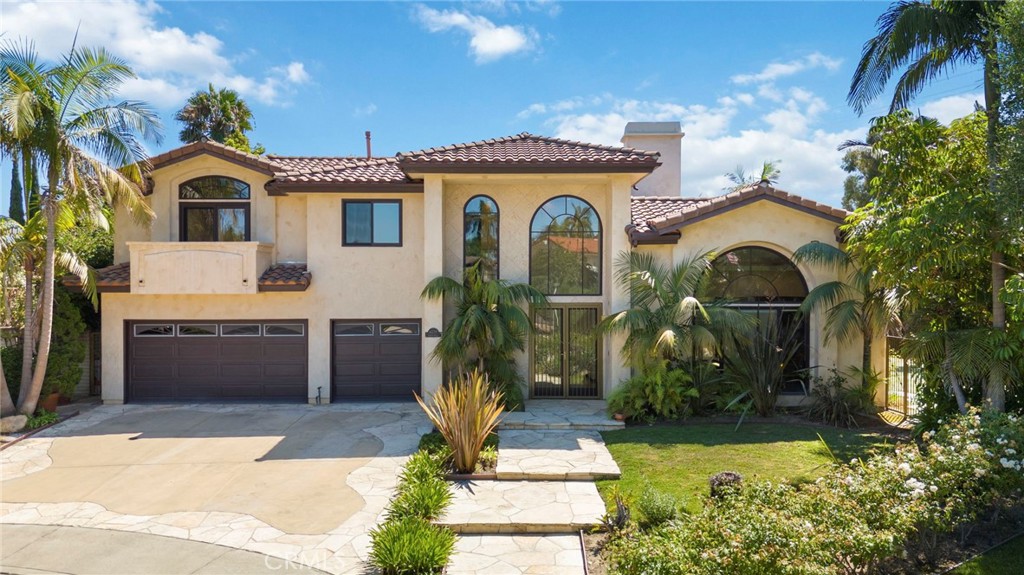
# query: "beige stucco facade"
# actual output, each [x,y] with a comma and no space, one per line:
[173,280]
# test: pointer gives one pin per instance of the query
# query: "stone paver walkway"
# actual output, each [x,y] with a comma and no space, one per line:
[517,555]
[341,549]
[523,507]
[582,414]
[551,455]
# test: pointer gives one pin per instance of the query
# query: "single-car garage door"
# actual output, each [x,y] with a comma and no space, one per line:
[216,361]
[376,359]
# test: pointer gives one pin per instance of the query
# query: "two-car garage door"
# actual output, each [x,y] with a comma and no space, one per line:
[223,361]
[268,360]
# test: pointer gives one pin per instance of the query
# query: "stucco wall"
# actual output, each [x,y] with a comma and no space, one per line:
[784,230]
[518,200]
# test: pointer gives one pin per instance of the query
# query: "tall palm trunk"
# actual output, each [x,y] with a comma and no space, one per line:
[866,369]
[29,333]
[995,391]
[6,403]
[29,402]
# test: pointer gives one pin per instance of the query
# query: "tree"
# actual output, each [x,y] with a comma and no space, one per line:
[926,235]
[17,205]
[489,322]
[770,173]
[856,304]
[666,321]
[860,162]
[218,115]
[88,148]
[930,40]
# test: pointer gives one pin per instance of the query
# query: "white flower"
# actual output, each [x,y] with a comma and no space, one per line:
[1011,451]
[904,467]
[933,488]
[1006,462]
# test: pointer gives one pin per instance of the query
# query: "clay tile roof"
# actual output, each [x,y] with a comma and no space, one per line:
[110,278]
[653,217]
[285,277]
[528,153]
[345,170]
[259,163]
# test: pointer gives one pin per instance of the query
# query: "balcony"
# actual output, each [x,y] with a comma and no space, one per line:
[173,268]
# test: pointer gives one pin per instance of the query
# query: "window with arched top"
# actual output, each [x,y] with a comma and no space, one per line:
[480,240]
[565,248]
[214,209]
[764,283]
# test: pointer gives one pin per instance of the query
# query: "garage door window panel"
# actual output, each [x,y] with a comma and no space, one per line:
[399,329]
[240,330]
[353,329]
[166,330]
[198,330]
[285,330]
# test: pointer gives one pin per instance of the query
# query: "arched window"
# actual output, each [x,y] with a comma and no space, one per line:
[214,209]
[480,240]
[765,283]
[565,248]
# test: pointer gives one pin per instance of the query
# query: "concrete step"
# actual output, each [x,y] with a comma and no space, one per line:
[563,415]
[523,507]
[545,455]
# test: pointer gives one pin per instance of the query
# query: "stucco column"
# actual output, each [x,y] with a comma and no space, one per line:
[433,266]
[616,370]
[112,343]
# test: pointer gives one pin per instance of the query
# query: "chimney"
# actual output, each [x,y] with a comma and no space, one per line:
[663,137]
[369,148]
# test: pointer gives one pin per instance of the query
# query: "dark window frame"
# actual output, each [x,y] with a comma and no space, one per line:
[371,244]
[184,207]
[497,231]
[600,247]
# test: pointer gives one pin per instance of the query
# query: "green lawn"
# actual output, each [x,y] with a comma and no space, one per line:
[1003,560]
[680,459]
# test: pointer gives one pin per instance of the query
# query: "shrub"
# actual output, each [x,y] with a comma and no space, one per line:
[707,379]
[42,418]
[435,443]
[835,402]
[661,393]
[725,483]
[619,520]
[64,369]
[465,412]
[422,466]
[425,499]
[657,507]
[759,363]
[12,368]
[410,546]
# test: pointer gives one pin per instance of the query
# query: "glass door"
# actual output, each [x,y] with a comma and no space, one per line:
[565,352]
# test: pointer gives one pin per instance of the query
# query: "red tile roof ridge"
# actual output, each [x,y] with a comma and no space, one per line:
[410,156]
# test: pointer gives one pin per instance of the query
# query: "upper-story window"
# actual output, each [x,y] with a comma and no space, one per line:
[372,222]
[565,248]
[480,239]
[214,209]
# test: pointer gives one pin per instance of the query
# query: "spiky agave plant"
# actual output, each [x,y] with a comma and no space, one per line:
[465,412]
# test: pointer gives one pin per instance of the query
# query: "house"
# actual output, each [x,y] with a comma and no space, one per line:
[299,278]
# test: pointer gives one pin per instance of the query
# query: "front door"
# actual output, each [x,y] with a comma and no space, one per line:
[565,353]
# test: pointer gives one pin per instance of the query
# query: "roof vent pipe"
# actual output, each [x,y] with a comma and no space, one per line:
[369,149]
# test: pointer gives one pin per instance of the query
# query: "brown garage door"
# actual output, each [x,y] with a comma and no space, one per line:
[217,361]
[376,359]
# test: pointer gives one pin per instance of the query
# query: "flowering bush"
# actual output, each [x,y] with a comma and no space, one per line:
[852,519]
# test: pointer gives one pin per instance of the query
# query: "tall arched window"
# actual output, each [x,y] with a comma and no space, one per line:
[480,240]
[214,209]
[565,248]
[763,282]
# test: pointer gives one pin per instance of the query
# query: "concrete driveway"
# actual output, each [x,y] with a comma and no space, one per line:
[299,482]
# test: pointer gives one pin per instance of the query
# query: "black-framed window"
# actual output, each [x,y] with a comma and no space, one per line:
[766,284]
[372,222]
[480,241]
[565,248]
[214,209]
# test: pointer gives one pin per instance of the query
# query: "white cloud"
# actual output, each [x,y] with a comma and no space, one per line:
[747,99]
[488,41]
[170,62]
[363,111]
[777,70]
[712,146]
[950,108]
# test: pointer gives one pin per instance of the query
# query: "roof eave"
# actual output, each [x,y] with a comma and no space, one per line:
[276,188]
[413,168]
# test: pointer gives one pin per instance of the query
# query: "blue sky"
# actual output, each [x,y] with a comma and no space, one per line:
[750,81]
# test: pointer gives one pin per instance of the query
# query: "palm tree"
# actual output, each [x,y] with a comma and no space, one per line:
[489,320]
[665,320]
[770,173]
[218,115]
[931,40]
[87,147]
[854,306]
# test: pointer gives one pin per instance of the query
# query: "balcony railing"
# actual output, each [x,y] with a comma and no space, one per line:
[198,267]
